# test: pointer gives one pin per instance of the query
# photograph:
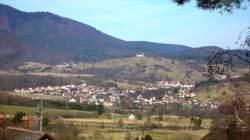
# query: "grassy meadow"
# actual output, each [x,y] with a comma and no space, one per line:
[50,112]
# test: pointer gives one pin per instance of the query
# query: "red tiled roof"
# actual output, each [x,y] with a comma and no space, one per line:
[25,130]
[14,133]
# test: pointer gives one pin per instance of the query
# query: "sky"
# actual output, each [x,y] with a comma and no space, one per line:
[148,20]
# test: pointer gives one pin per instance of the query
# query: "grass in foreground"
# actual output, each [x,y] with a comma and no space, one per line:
[121,134]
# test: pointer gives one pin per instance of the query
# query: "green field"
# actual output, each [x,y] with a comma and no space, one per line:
[41,96]
[10,109]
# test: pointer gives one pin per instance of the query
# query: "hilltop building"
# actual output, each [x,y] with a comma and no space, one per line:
[140,55]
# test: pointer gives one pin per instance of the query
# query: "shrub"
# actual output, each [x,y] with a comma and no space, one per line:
[18,117]
[196,122]
[120,123]
[45,123]
[148,137]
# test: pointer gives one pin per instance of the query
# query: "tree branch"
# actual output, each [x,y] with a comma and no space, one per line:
[236,115]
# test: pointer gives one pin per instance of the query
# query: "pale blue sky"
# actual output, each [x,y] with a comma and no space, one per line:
[149,20]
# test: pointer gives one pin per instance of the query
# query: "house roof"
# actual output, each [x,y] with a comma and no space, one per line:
[13,133]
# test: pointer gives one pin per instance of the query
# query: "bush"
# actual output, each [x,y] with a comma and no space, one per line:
[45,123]
[148,137]
[196,122]
[18,117]
[120,123]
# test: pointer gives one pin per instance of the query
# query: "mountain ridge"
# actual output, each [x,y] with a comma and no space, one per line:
[49,38]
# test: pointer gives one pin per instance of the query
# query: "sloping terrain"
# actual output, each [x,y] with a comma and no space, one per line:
[144,69]
[55,38]
[224,90]
[48,38]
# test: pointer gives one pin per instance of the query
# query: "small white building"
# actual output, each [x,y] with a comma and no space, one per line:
[72,100]
[131,117]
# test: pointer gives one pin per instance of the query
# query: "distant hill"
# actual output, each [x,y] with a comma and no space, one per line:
[157,49]
[145,69]
[140,69]
[48,38]
[53,38]
[222,90]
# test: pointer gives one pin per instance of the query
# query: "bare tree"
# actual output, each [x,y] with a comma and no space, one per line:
[237,109]
[223,60]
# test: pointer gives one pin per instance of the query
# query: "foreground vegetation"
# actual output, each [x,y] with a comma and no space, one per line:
[107,129]
[87,125]
[121,134]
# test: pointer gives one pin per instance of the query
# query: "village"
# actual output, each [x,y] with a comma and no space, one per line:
[172,92]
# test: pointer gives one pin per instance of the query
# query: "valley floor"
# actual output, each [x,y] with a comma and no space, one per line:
[103,128]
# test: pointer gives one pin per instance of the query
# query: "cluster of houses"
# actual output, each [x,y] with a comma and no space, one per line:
[166,99]
[81,93]
[183,95]
[90,94]
[181,84]
[226,76]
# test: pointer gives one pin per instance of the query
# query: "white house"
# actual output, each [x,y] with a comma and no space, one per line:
[72,100]
[131,117]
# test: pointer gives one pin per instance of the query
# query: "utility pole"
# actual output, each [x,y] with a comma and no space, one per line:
[41,115]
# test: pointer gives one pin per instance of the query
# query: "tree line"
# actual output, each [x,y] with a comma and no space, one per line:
[10,99]
[11,82]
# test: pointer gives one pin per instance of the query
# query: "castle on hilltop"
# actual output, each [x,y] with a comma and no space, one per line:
[140,55]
